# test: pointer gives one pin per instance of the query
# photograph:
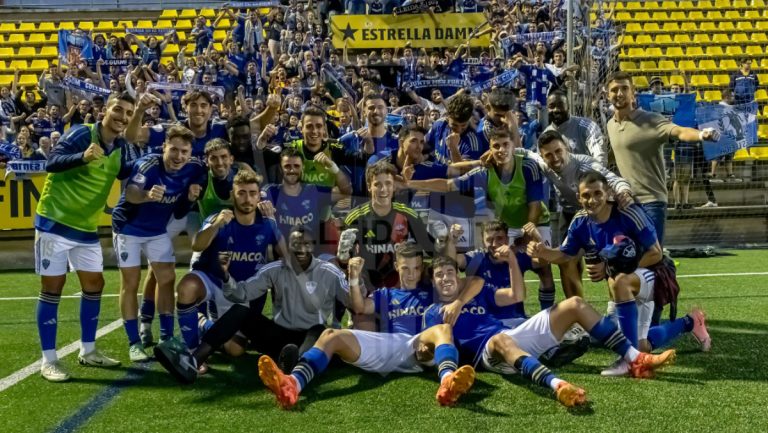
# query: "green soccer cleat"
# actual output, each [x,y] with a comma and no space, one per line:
[54,372]
[95,358]
[137,354]
[174,357]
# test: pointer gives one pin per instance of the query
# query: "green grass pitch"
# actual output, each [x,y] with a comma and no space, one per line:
[724,390]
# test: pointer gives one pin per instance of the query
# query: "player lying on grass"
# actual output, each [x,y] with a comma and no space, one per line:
[403,345]
[482,338]
[630,282]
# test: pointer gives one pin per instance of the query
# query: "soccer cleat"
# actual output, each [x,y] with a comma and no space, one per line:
[94,358]
[283,385]
[174,357]
[289,357]
[569,395]
[54,372]
[708,204]
[137,354]
[146,337]
[455,385]
[645,364]
[619,368]
[699,331]
[567,352]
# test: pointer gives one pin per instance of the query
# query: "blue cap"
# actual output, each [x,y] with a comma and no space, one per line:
[622,256]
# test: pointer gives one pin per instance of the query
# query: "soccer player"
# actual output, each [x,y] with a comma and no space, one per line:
[499,115]
[81,170]
[242,235]
[632,293]
[482,338]
[401,346]
[159,185]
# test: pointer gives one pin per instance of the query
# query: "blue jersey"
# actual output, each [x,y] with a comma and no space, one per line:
[474,327]
[589,235]
[351,143]
[214,130]
[422,171]
[401,310]
[311,207]
[469,144]
[151,218]
[247,246]
[496,276]
[537,82]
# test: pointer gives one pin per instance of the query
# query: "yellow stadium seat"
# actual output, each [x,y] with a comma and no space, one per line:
[705,4]
[728,64]
[714,51]
[634,28]
[208,13]
[85,25]
[636,52]
[19,64]
[689,26]
[654,52]
[66,25]
[171,50]
[643,40]
[707,64]
[182,36]
[226,24]
[122,24]
[738,4]
[39,65]
[144,24]
[169,14]
[662,39]
[682,38]
[758,3]
[623,16]
[726,25]
[721,80]
[761,95]
[679,16]
[26,52]
[732,15]
[53,38]
[669,5]
[761,25]
[721,38]
[744,25]
[696,16]
[685,5]
[687,65]
[164,24]
[694,51]
[15,39]
[676,79]
[36,39]
[628,66]
[3,66]
[188,13]
[713,95]
[714,15]
[49,50]
[26,27]
[702,38]
[652,27]
[640,81]
[667,65]
[700,81]
[674,52]
[752,15]
[659,16]
[628,40]
[633,6]
[762,131]
[184,25]
[708,26]
[46,27]
[219,35]
[105,26]
[648,66]
[642,16]
[755,50]
[734,50]
[217,46]
[6,80]
[7,27]
[28,80]
[759,37]
[672,27]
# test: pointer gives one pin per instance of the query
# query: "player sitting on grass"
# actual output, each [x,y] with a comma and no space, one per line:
[402,346]
[631,287]
[482,338]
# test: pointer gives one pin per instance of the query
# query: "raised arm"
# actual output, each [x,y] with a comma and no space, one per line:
[517,291]
[359,303]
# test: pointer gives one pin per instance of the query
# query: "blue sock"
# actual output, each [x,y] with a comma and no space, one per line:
[627,314]
[609,335]
[662,335]
[132,331]
[546,297]
[188,324]
[447,359]
[147,310]
[203,324]
[47,323]
[532,369]
[313,362]
[166,326]
[90,306]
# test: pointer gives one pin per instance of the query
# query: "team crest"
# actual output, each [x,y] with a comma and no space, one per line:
[306,204]
[395,302]
[629,252]
[124,256]
[311,286]
[46,263]
[259,239]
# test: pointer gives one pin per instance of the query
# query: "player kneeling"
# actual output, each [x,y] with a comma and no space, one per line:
[507,350]
[402,346]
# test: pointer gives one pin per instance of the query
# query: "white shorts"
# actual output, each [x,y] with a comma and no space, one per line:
[190,224]
[215,294]
[386,353]
[128,249]
[644,301]
[467,240]
[53,252]
[533,336]
[544,231]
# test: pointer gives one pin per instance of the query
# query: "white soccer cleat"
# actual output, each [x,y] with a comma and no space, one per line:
[618,369]
[95,358]
[137,354]
[54,372]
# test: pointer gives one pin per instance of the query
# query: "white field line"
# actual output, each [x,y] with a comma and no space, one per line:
[33,368]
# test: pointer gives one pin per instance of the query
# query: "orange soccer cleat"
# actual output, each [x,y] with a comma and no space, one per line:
[283,385]
[455,385]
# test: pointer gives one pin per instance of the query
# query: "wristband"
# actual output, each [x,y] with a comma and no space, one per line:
[701,135]
[354,282]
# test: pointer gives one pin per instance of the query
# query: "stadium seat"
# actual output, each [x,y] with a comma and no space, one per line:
[635,52]
[675,51]
[642,16]
[761,25]
[734,50]
[714,15]
[648,66]
[169,14]
[36,39]
[763,79]
[700,81]
[188,13]
[652,27]
[732,15]
[39,65]
[762,131]
[682,38]
[694,51]
[707,64]
[171,50]
[696,16]
[46,27]
[721,38]
[670,26]
[49,51]
[122,24]
[687,65]
[667,65]
[219,35]
[26,52]
[689,26]
[726,25]
[759,37]
[707,26]
[182,36]
[26,27]
[643,40]
[85,25]
[738,4]
[703,38]
[744,25]
[19,64]
[623,16]
[6,52]
[662,39]
[7,27]
[6,80]
[739,37]
[208,13]
[627,40]
[764,63]
[145,24]
[714,51]
[659,16]
[722,4]
[226,24]
[53,38]
[654,52]
[15,39]
[679,16]
[761,95]
[640,81]
[675,79]
[184,25]
[28,80]
[3,66]
[628,66]
[752,15]
[685,5]
[164,24]
[634,28]
[758,4]
[721,80]
[728,64]
[713,95]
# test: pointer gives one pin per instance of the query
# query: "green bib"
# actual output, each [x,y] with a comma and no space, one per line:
[76,197]
[509,200]
[313,172]
[211,203]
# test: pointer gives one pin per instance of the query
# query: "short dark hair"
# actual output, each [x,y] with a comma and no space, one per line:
[244,177]
[498,133]
[461,107]
[408,130]
[238,121]
[380,167]
[549,136]
[501,99]
[618,76]
[494,226]
[178,131]
[593,176]
[196,94]
[441,261]
[304,230]
[314,111]
[217,144]
[123,96]
[290,152]
[372,96]
[407,250]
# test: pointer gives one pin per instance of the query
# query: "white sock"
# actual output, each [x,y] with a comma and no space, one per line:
[144,326]
[553,384]
[50,356]
[87,347]
[631,354]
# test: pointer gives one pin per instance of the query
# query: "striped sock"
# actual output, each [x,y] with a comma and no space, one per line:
[532,369]
[314,361]
[47,323]
[610,336]
[147,310]
[187,314]
[546,297]
[447,359]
